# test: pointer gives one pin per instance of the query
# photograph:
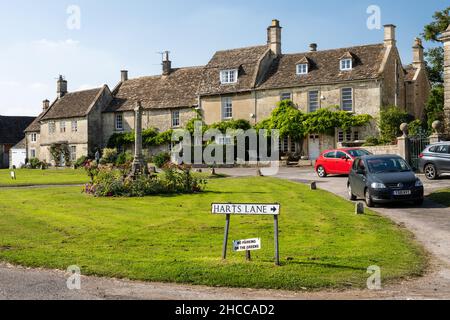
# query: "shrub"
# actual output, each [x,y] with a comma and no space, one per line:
[124,158]
[390,121]
[371,142]
[109,156]
[80,162]
[35,163]
[161,159]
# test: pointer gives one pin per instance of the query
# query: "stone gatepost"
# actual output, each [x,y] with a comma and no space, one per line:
[437,136]
[139,167]
[403,143]
[445,38]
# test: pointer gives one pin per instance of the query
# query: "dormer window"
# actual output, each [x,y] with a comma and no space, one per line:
[346,64]
[302,68]
[229,76]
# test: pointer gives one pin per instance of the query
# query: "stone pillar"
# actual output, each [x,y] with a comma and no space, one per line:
[139,167]
[446,40]
[436,137]
[403,143]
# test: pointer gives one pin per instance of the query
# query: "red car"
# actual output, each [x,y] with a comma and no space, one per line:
[339,161]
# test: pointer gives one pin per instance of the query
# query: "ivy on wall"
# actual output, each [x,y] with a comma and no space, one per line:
[58,149]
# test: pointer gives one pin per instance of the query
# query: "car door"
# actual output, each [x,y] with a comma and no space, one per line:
[360,178]
[328,162]
[446,158]
[355,178]
[343,163]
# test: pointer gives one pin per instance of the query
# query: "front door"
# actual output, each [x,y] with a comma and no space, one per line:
[314,147]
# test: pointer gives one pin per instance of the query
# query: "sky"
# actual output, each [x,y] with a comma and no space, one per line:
[89,42]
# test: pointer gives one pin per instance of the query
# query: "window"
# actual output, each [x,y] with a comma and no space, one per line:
[228,76]
[74,126]
[119,121]
[33,153]
[286,96]
[347,99]
[302,68]
[227,108]
[341,136]
[51,127]
[73,153]
[284,145]
[33,137]
[313,101]
[356,136]
[346,64]
[330,155]
[62,127]
[341,155]
[440,149]
[175,119]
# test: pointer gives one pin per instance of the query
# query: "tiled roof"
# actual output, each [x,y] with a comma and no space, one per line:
[410,72]
[246,60]
[324,67]
[178,89]
[72,105]
[12,129]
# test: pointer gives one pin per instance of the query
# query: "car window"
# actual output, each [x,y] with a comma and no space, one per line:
[330,155]
[361,166]
[358,153]
[385,165]
[340,155]
[440,149]
[356,164]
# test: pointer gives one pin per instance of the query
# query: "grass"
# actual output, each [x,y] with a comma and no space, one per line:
[442,197]
[175,238]
[27,177]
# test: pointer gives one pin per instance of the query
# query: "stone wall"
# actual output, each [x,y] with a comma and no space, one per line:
[447,80]
[378,150]
[389,83]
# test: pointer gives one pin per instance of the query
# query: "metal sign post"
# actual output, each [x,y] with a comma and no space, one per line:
[248,210]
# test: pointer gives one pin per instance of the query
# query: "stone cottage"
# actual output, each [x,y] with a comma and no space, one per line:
[245,83]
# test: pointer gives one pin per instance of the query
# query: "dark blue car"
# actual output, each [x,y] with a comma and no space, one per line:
[384,179]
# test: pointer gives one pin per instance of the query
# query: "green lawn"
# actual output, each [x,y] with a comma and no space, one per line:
[442,197]
[27,177]
[176,239]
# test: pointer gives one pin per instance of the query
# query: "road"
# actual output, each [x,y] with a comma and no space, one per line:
[430,224]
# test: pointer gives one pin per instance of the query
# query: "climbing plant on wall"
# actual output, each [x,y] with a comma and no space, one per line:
[58,149]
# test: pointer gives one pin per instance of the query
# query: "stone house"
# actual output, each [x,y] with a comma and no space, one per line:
[11,133]
[446,40]
[245,83]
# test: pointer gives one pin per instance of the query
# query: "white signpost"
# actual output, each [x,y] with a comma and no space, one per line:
[13,175]
[230,209]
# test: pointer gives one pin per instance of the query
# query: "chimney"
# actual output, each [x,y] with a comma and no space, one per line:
[313,47]
[418,58]
[167,64]
[274,37]
[61,87]
[124,75]
[389,35]
[45,105]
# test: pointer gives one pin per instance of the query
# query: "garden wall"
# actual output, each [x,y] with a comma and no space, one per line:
[378,150]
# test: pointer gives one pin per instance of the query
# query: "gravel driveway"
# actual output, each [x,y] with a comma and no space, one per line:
[430,224]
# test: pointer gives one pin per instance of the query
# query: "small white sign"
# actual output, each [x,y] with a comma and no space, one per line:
[247,245]
[246,209]
[13,175]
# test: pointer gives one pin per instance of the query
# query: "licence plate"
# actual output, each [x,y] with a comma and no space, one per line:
[402,193]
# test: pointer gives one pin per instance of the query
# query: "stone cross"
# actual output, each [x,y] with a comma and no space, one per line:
[445,38]
[139,167]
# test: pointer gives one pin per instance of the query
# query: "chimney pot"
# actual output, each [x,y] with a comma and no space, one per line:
[389,35]
[45,105]
[124,75]
[61,87]
[313,47]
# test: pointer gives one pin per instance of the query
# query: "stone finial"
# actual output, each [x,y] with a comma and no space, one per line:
[437,126]
[404,129]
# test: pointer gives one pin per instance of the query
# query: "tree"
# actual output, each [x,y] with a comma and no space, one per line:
[435,56]
[435,106]
[390,121]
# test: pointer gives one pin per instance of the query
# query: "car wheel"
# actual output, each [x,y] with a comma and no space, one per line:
[430,172]
[321,172]
[369,200]
[351,196]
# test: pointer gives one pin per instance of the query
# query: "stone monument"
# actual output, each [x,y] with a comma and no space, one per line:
[139,166]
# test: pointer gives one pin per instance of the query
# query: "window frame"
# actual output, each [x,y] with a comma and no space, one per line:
[283,94]
[116,122]
[73,154]
[309,100]
[177,123]
[74,126]
[32,153]
[352,99]
[229,76]
[33,137]
[346,64]
[302,69]
[51,127]
[227,105]
[62,127]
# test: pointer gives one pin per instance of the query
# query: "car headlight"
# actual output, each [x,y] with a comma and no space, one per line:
[419,183]
[377,185]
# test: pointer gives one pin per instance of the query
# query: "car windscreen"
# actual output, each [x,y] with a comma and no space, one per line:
[387,165]
[357,153]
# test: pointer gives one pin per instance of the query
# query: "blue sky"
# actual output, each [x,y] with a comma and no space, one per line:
[36,44]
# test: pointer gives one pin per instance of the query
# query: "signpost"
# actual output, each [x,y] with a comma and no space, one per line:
[248,210]
[13,175]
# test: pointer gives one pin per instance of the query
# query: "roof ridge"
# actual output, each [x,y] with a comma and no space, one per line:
[336,49]
[235,49]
